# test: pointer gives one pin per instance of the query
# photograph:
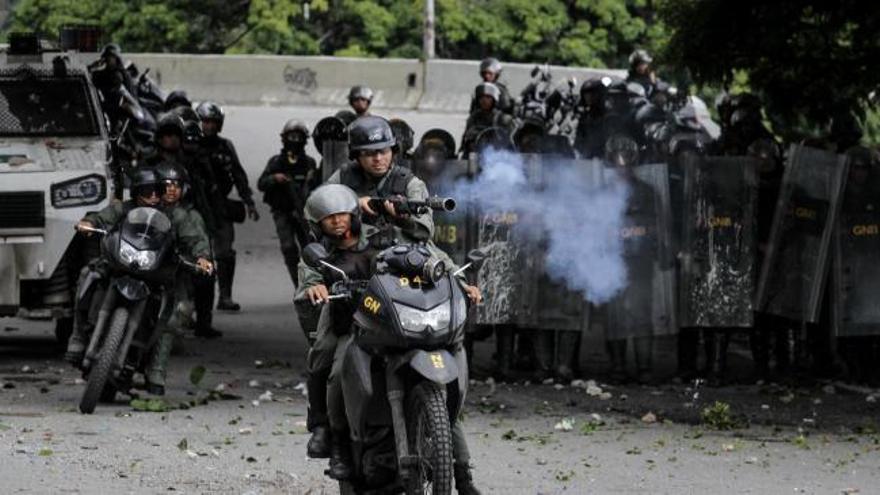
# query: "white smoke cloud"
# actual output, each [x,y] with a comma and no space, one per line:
[572,213]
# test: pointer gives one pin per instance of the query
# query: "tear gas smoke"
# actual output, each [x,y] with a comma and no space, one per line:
[575,213]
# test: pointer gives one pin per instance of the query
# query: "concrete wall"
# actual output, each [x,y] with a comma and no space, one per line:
[444,85]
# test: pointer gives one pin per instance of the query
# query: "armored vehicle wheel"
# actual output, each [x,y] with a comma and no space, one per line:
[430,440]
[100,372]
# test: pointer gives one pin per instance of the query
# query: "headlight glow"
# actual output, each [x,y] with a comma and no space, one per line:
[416,320]
[86,190]
[135,258]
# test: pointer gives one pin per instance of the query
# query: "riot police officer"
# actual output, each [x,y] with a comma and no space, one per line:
[228,173]
[641,71]
[486,116]
[490,72]
[360,98]
[286,182]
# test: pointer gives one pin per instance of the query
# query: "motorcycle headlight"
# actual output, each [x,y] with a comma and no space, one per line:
[135,258]
[417,320]
[86,190]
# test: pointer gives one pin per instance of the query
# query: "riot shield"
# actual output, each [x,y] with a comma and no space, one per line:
[856,266]
[646,306]
[453,233]
[547,304]
[793,275]
[718,242]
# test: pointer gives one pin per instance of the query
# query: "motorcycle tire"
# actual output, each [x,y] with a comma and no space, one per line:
[429,435]
[100,372]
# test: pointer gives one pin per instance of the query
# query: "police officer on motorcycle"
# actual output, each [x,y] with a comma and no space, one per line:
[333,213]
[286,182]
[228,173]
[147,190]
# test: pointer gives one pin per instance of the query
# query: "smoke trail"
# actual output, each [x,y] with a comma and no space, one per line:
[572,212]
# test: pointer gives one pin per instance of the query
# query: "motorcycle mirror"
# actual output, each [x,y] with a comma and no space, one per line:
[314,254]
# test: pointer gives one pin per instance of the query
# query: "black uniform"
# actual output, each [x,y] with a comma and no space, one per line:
[228,173]
[287,200]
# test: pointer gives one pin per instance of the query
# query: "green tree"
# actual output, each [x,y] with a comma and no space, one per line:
[811,61]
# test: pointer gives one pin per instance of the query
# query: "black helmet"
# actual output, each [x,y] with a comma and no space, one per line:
[171,170]
[360,92]
[177,98]
[639,56]
[490,64]
[370,133]
[331,199]
[593,84]
[208,110]
[111,49]
[192,132]
[403,134]
[169,123]
[186,113]
[487,89]
[144,180]
[294,125]
[438,138]
[346,116]
[294,135]
[329,129]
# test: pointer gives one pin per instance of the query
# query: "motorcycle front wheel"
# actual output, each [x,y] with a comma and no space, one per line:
[100,372]
[429,435]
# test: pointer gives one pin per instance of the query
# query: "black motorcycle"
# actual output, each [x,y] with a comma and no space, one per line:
[404,373]
[127,291]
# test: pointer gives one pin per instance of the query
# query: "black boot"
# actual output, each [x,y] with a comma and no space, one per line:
[225,276]
[716,356]
[567,352]
[208,332]
[688,343]
[340,457]
[464,482]
[760,344]
[617,355]
[504,351]
[319,445]
[644,349]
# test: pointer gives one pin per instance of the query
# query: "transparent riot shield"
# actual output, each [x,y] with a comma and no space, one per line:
[453,232]
[856,266]
[793,275]
[718,242]
[646,306]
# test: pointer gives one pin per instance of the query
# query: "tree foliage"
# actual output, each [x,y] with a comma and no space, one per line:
[595,33]
[809,60]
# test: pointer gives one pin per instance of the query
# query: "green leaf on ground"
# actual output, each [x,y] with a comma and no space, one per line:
[183,444]
[196,374]
[45,452]
[150,405]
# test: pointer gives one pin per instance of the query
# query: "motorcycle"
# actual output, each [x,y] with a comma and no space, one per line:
[128,293]
[404,374]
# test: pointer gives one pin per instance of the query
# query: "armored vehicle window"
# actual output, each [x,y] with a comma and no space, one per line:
[46,106]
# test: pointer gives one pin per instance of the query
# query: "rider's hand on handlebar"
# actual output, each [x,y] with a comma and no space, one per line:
[205,265]
[318,294]
[473,293]
[83,227]
[364,203]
